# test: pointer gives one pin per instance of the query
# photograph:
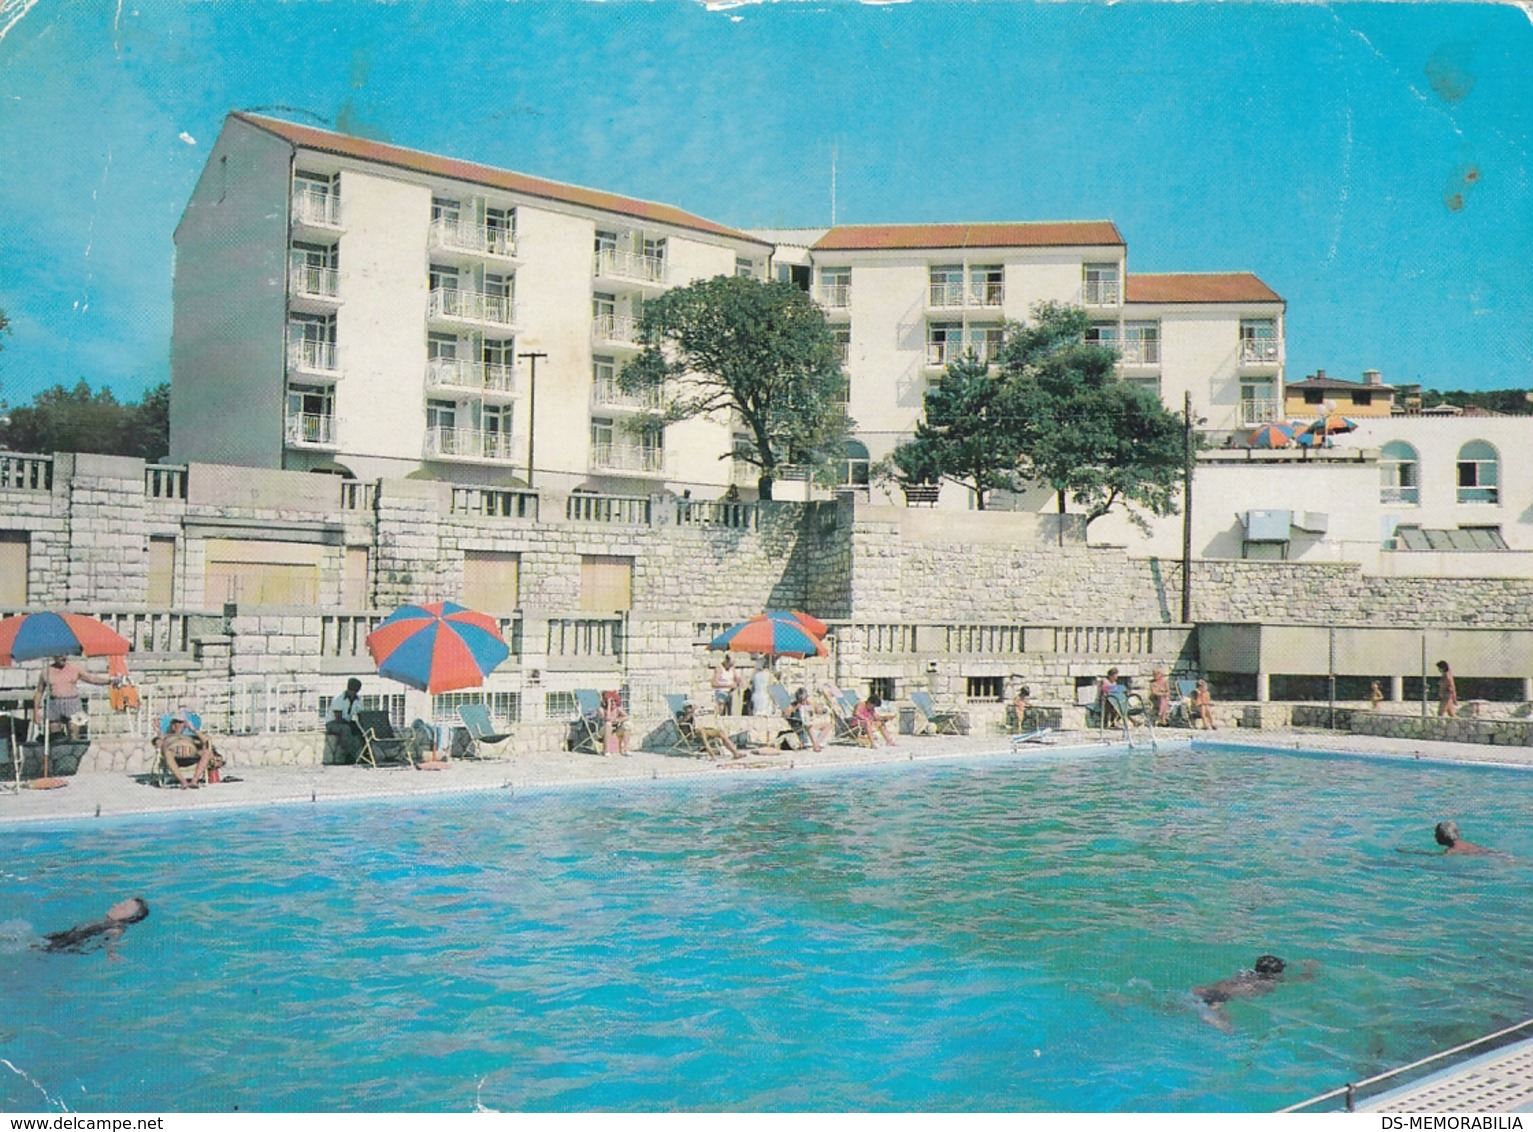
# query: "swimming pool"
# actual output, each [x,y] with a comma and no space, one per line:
[1003,933]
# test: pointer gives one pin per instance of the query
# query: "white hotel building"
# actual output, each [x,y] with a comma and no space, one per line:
[348,306]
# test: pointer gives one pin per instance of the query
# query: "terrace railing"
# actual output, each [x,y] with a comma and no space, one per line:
[623,510]
[23,472]
[165,481]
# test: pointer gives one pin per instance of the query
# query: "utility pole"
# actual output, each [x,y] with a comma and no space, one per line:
[532,406]
[1187,508]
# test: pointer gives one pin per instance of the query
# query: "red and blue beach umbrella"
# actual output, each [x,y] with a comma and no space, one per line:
[440,646]
[815,626]
[771,635]
[32,636]
[1273,434]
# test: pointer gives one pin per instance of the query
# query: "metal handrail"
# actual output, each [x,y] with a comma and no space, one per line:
[1349,1090]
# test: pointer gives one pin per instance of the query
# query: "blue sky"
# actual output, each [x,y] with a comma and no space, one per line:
[1369,161]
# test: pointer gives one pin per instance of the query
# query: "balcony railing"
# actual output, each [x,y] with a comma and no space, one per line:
[22,472]
[630,265]
[468,444]
[311,428]
[615,328]
[617,510]
[480,239]
[1259,351]
[312,357]
[312,282]
[460,373]
[948,294]
[1140,352]
[946,352]
[836,296]
[470,306]
[609,395]
[987,294]
[317,209]
[165,481]
[1254,412]
[1102,292]
[1410,495]
[627,458]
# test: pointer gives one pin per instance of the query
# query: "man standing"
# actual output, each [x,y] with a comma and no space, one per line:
[724,680]
[61,683]
[342,724]
[1447,691]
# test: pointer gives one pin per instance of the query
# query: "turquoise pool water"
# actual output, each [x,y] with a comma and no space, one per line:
[1006,933]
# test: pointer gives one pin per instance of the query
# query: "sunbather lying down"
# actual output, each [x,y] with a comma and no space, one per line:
[1042,736]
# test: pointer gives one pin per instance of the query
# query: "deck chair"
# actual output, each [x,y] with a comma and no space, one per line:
[846,726]
[381,742]
[691,737]
[943,722]
[585,730]
[481,730]
[162,772]
[1181,704]
[1122,709]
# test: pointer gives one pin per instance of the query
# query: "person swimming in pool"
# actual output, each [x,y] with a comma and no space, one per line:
[1261,979]
[1446,835]
[104,932]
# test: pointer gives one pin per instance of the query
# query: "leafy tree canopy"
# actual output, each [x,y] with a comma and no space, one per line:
[77,420]
[760,350]
[1513,402]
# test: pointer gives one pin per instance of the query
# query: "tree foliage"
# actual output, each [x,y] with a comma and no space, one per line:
[760,350]
[966,434]
[1513,402]
[1053,413]
[77,420]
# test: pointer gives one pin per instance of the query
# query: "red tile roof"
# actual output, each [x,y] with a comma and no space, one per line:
[343,145]
[884,237]
[1210,287]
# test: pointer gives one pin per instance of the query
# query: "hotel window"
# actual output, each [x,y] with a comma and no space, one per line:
[499,358]
[317,197]
[853,469]
[1258,400]
[606,583]
[492,580]
[495,431]
[1141,343]
[311,414]
[1104,334]
[442,415]
[651,248]
[1258,340]
[985,687]
[947,285]
[987,285]
[836,287]
[986,342]
[1101,283]
[500,230]
[1314,396]
[1400,473]
[1478,473]
[606,243]
[795,275]
[311,341]
[447,212]
[843,337]
[745,268]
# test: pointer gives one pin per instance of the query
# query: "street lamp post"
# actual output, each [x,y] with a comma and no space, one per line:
[532,405]
[1187,464]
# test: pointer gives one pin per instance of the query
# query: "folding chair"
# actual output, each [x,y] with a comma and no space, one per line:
[380,741]
[476,720]
[843,709]
[943,722]
[585,731]
[1181,706]
[162,772]
[692,737]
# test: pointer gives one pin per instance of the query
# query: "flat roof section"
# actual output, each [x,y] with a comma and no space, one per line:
[344,145]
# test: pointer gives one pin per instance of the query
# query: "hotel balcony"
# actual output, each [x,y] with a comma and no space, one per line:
[311,430]
[942,354]
[954,295]
[1102,293]
[468,444]
[313,288]
[485,379]
[1261,353]
[609,395]
[316,359]
[649,271]
[1255,411]
[628,459]
[456,306]
[317,210]
[836,298]
[1137,352]
[615,330]
[475,240]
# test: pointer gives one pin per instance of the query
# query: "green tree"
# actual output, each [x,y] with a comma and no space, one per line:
[77,420]
[967,434]
[762,351]
[1096,440]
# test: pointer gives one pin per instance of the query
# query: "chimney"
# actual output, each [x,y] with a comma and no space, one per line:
[1320,375]
[1372,377]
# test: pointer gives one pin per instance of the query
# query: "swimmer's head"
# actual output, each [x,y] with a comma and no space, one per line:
[129,911]
[1446,833]
[1269,965]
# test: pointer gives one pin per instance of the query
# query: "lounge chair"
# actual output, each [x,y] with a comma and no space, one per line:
[942,722]
[843,710]
[781,697]
[585,730]
[380,742]
[692,737]
[1120,710]
[162,772]
[481,731]
[1181,704]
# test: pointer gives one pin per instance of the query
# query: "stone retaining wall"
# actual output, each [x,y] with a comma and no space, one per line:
[1495,732]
